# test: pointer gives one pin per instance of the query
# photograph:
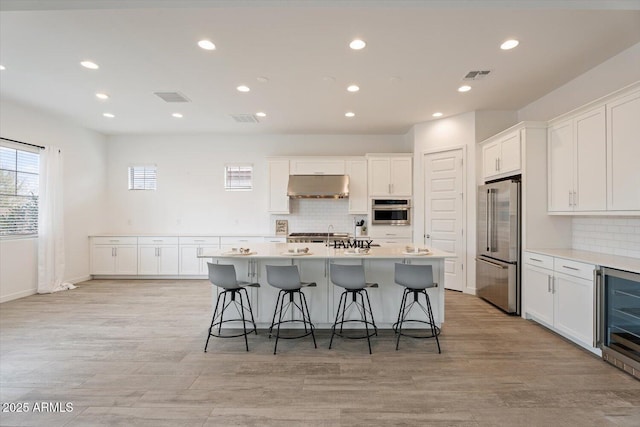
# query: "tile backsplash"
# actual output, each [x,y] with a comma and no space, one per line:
[610,235]
[315,215]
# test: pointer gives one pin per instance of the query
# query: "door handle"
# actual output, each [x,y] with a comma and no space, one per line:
[575,199]
[597,311]
[493,264]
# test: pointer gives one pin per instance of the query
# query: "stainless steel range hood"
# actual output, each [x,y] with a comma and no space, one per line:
[318,186]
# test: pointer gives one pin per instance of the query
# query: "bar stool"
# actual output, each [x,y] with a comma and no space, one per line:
[416,279]
[351,278]
[224,277]
[287,279]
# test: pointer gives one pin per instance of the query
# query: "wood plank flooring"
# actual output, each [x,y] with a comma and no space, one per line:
[130,353]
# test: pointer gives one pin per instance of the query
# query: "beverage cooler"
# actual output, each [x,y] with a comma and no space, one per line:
[619,319]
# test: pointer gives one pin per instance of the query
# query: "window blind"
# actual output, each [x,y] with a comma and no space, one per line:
[238,177]
[19,189]
[142,178]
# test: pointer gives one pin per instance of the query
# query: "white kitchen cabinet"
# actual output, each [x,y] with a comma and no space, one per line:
[390,176]
[577,179]
[501,157]
[158,256]
[278,182]
[358,195]
[558,293]
[317,166]
[623,153]
[190,248]
[114,255]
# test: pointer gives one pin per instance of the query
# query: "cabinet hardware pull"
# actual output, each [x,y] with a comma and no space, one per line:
[570,202]
[571,268]
[575,199]
[535,259]
[199,240]
[597,310]
[548,283]
[493,264]
[114,241]
[158,240]
[498,159]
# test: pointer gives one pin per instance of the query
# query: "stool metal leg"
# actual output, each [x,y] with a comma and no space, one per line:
[275,348]
[213,319]
[244,324]
[432,320]
[303,303]
[375,327]
[275,311]
[401,315]
[333,329]
[224,302]
[253,321]
[366,325]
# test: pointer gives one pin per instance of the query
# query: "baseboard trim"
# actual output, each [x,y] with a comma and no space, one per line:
[17,295]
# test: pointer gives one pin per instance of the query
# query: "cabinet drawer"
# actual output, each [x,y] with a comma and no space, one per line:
[544,261]
[158,240]
[231,240]
[574,268]
[115,240]
[199,241]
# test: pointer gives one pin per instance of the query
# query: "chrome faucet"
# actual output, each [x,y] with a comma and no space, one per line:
[329,228]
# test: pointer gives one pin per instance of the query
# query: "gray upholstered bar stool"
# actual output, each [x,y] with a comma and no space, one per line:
[352,279]
[287,279]
[416,279]
[224,277]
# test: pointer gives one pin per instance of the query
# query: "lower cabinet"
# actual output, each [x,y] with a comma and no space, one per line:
[558,293]
[190,250]
[158,256]
[114,255]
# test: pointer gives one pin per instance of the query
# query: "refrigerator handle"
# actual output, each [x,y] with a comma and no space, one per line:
[489,220]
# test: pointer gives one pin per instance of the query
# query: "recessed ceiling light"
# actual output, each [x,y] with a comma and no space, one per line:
[109,115]
[261,114]
[464,88]
[357,44]
[509,44]
[243,88]
[101,95]
[353,88]
[206,45]
[438,114]
[349,114]
[90,65]
[2,68]
[177,115]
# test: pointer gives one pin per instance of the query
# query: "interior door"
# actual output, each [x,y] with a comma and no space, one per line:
[444,212]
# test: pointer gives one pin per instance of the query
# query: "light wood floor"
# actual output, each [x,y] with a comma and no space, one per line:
[129,353]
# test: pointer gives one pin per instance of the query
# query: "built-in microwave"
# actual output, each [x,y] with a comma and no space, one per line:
[391,212]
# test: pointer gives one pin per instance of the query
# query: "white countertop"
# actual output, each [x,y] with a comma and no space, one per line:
[182,235]
[320,251]
[597,258]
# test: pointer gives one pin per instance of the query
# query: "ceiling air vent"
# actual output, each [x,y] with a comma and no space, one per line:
[172,97]
[476,75]
[245,118]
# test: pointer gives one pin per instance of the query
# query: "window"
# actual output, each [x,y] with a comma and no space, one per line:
[238,177]
[142,178]
[19,183]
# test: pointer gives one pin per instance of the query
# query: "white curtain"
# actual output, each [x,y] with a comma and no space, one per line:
[51,224]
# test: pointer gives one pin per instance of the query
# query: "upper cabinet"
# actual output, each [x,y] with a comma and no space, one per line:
[390,176]
[592,157]
[501,157]
[623,153]
[358,200]
[278,182]
[317,166]
[577,163]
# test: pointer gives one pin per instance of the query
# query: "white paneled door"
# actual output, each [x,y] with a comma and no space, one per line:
[444,212]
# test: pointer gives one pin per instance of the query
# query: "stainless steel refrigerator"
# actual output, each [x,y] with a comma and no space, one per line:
[498,251]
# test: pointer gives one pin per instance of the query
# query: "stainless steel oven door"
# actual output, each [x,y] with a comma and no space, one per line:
[391,216]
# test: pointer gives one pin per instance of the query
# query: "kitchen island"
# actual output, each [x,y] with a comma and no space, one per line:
[379,264]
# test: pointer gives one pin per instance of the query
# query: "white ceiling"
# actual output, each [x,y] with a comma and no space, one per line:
[416,56]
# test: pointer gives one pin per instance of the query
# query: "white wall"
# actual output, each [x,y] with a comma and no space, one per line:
[84,154]
[613,74]
[190,198]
